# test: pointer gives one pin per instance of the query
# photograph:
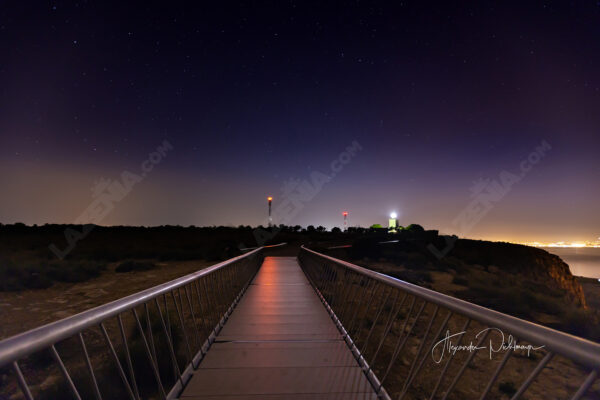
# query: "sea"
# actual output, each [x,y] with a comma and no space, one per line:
[583,261]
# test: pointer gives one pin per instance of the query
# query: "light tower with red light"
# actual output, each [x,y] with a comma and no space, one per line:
[270,200]
[345,214]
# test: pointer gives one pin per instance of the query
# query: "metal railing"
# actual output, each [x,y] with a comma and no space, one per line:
[143,345]
[388,324]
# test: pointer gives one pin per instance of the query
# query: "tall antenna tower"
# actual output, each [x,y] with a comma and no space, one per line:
[270,200]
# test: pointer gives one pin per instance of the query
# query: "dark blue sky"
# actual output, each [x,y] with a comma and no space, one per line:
[250,95]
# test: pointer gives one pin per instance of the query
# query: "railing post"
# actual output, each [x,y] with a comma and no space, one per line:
[344,286]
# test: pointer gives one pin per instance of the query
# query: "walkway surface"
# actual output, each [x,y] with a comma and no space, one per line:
[279,343]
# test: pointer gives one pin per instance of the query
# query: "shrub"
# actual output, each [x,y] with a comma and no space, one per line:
[412,276]
[221,250]
[581,323]
[415,228]
[73,270]
[366,247]
[106,373]
[40,275]
[139,353]
[41,358]
[128,266]
[460,281]
[507,388]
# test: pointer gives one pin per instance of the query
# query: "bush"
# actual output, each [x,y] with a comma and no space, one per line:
[139,355]
[73,271]
[221,250]
[581,323]
[412,276]
[41,358]
[460,281]
[512,299]
[41,274]
[129,266]
[108,378]
[27,263]
[366,247]
[13,277]
[415,228]
[507,388]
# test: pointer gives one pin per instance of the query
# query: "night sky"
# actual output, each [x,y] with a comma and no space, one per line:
[253,95]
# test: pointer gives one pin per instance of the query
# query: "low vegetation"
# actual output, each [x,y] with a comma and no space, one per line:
[505,277]
[27,273]
[518,280]
[105,371]
[507,388]
[26,261]
[523,281]
[130,265]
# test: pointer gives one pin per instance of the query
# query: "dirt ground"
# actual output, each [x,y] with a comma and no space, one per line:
[27,309]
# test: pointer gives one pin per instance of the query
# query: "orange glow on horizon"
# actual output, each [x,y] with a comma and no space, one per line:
[595,244]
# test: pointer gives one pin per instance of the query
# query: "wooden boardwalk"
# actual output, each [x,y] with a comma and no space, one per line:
[279,343]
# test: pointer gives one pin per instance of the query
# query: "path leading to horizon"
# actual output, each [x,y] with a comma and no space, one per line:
[279,343]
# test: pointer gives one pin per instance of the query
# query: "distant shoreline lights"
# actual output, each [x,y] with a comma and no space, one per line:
[563,244]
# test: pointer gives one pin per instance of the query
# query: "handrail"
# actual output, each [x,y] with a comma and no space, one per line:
[28,342]
[378,312]
[581,350]
[200,303]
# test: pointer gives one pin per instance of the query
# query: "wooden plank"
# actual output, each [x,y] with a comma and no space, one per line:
[279,343]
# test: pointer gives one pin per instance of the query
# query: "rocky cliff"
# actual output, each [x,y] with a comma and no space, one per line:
[528,262]
[527,267]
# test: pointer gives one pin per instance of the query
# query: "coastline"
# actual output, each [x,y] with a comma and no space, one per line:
[582,261]
[591,291]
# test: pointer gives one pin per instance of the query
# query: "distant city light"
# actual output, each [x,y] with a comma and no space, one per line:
[595,244]
[393,215]
[345,213]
